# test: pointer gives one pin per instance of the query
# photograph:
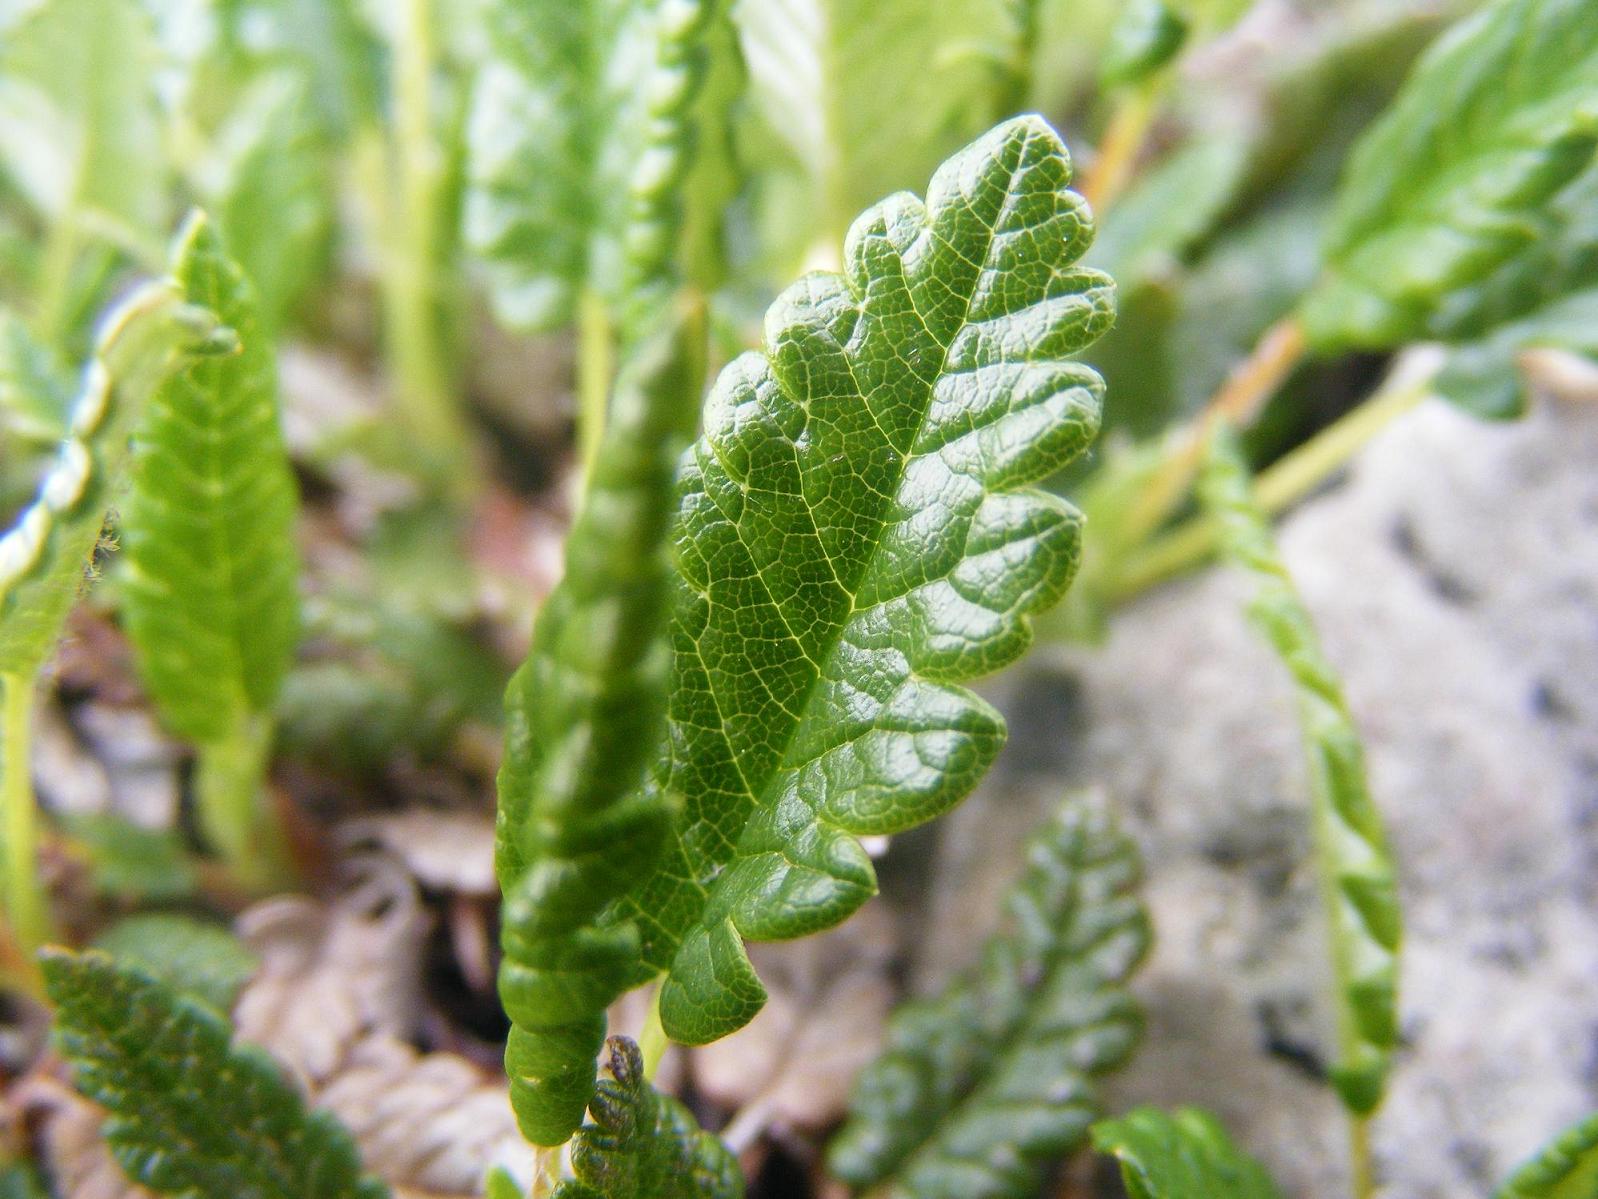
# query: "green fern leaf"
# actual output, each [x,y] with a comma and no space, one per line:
[1182,1156]
[1565,1168]
[1497,117]
[645,1145]
[1361,891]
[191,1115]
[584,718]
[210,595]
[45,554]
[856,537]
[577,168]
[980,1087]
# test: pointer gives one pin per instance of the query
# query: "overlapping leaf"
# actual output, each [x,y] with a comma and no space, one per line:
[584,717]
[980,1087]
[857,536]
[1186,1155]
[192,1115]
[211,599]
[1361,891]
[1565,1168]
[1497,116]
[645,1145]
[44,555]
[582,136]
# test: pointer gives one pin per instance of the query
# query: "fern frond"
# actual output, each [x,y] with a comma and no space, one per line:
[584,718]
[1356,866]
[981,1086]
[190,1114]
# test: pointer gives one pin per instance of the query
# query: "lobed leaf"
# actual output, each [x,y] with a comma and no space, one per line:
[1497,116]
[1186,1155]
[190,1114]
[210,596]
[1565,1168]
[980,1087]
[584,717]
[1360,888]
[856,536]
[645,1145]
[44,555]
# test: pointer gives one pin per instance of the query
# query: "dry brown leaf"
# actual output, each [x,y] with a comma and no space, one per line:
[433,1122]
[332,975]
[445,850]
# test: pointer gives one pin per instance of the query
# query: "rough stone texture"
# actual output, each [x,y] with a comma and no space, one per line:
[1454,577]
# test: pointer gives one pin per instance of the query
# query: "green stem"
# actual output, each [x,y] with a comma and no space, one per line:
[1359,1157]
[423,382]
[595,361]
[1278,488]
[236,822]
[26,909]
[652,1041]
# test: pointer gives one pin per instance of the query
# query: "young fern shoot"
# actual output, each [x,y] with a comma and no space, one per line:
[211,598]
[1360,890]
[585,713]
[45,554]
[645,1145]
[584,717]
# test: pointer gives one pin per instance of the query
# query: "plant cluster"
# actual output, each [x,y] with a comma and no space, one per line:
[798,537]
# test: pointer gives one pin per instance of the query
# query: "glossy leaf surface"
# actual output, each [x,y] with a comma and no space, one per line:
[585,716]
[190,1114]
[1497,117]
[1361,890]
[856,536]
[211,593]
[1185,1155]
[982,1086]
[645,1145]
